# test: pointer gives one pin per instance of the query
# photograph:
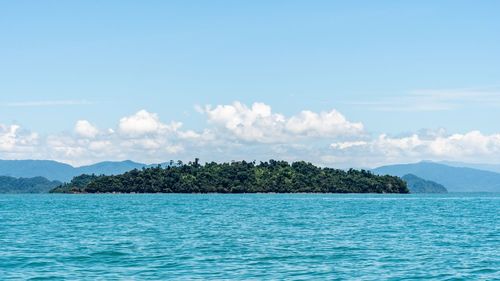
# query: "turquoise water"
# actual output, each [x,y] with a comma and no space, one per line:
[250,237]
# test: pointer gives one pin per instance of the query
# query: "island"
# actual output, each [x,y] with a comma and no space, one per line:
[237,177]
[420,185]
[26,185]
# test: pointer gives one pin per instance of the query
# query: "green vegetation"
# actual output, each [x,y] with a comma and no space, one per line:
[77,184]
[237,177]
[419,185]
[26,185]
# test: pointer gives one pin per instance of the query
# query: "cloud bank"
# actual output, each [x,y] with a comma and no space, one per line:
[259,124]
[252,132]
[469,147]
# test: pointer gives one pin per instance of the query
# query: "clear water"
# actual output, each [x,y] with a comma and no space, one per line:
[250,237]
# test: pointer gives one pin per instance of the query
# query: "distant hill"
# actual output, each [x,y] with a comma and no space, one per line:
[26,185]
[419,185]
[455,179]
[36,168]
[110,168]
[53,170]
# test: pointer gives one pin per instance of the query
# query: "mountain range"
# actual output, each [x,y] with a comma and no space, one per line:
[455,179]
[53,170]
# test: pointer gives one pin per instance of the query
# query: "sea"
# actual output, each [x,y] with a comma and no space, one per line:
[250,237]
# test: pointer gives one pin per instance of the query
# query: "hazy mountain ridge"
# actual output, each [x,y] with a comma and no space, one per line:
[54,170]
[420,185]
[455,179]
[478,166]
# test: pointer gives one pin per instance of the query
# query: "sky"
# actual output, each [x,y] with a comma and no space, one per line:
[337,83]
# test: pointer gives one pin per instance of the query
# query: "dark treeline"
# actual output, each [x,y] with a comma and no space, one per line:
[26,185]
[237,177]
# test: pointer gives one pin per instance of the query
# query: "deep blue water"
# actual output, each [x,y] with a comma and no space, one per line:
[250,237]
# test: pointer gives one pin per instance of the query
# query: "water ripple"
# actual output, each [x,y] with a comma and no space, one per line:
[250,237]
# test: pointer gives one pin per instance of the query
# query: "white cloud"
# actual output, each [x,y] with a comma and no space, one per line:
[144,123]
[259,124]
[256,123]
[349,144]
[255,132]
[8,137]
[13,140]
[143,136]
[140,123]
[324,124]
[84,129]
[470,146]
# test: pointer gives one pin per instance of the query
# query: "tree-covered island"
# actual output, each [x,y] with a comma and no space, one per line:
[237,177]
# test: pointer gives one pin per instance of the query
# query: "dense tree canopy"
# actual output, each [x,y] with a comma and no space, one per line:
[238,177]
[26,185]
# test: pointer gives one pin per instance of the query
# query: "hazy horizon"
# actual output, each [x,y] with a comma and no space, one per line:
[471,165]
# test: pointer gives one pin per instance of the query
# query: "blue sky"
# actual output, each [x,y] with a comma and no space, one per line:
[398,67]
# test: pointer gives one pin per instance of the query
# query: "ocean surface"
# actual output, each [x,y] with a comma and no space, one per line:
[250,237]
